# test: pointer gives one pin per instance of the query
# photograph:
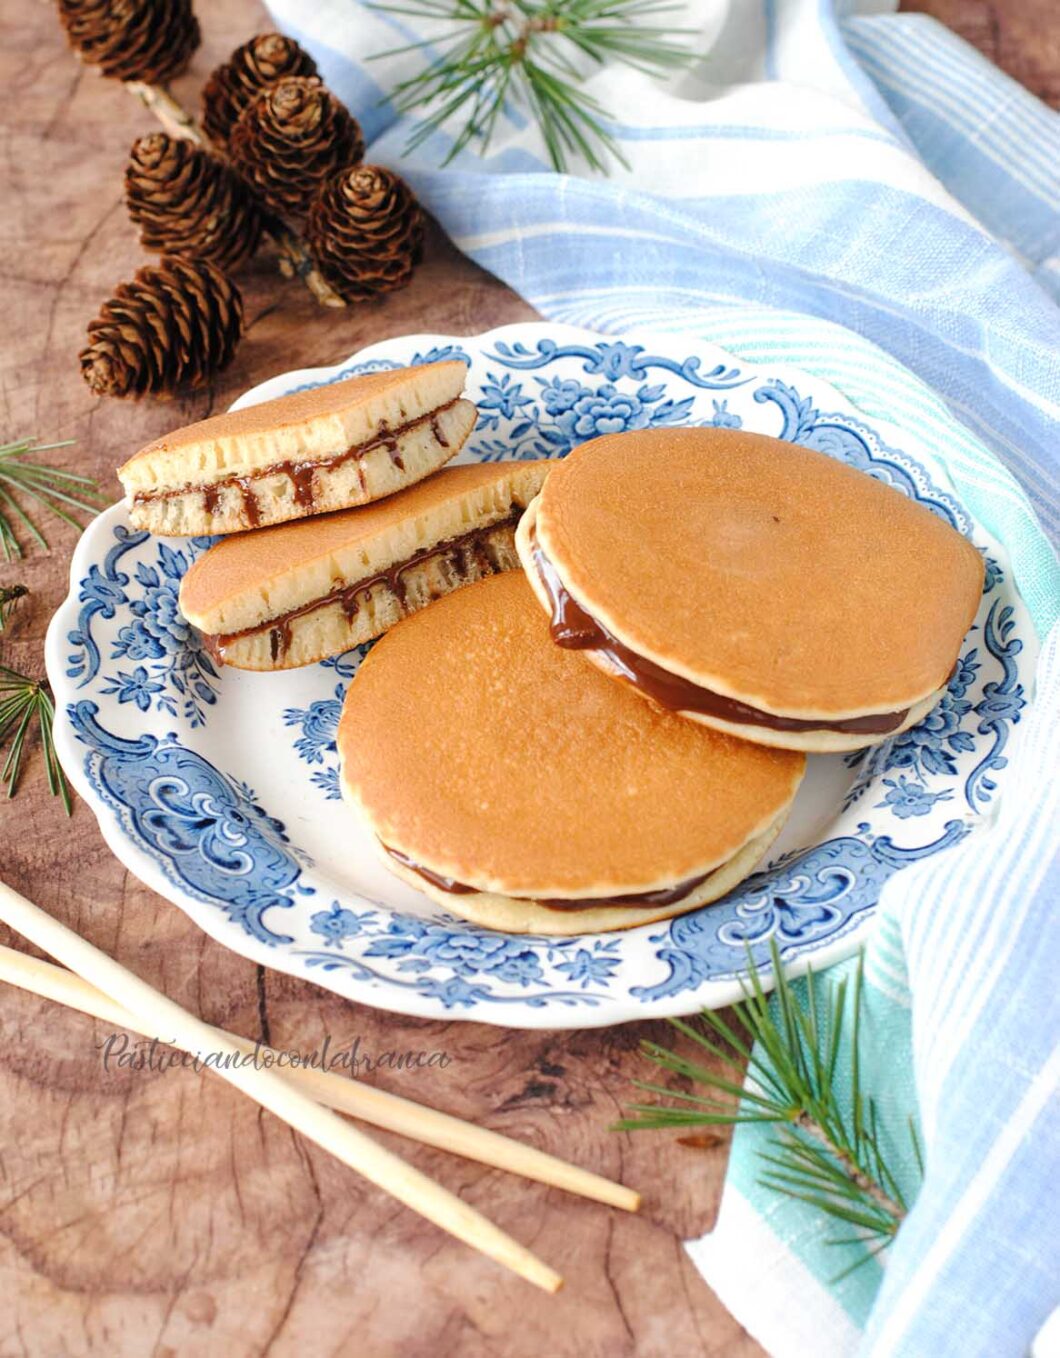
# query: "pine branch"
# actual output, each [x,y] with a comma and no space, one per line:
[525,50]
[820,1155]
[173,116]
[25,703]
[50,487]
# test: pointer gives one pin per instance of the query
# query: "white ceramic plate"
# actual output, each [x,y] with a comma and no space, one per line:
[220,790]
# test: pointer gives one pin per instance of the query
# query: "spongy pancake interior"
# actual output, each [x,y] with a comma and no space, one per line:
[483,751]
[251,577]
[761,569]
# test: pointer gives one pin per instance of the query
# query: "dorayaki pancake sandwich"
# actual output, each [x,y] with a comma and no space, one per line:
[756,586]
[308,453]
[293,594]
[519,787]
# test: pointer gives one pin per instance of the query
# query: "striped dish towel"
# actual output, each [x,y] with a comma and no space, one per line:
[859,194]
[961,1016]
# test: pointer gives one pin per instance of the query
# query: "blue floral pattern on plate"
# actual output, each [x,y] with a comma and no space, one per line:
[176,675]
[167,750]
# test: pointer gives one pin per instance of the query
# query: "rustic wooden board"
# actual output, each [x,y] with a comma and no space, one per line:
[147,1212]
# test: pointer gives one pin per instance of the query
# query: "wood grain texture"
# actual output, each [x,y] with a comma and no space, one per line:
[151,1213]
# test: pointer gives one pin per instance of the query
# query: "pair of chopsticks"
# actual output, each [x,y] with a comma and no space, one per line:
[302,1097]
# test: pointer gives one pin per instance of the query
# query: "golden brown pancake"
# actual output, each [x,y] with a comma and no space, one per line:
[314,451]
[296,593]
[755,586]
[520,788]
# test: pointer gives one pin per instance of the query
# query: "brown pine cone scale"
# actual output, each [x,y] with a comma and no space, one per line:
[365,231]
[186,202]
[260,63]
[147,40]
[290,139]
[172,327]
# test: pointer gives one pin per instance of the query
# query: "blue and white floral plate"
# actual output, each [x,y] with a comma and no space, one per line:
[220,790]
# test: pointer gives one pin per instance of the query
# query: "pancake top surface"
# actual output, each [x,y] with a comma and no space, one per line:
[233,583]
[488,754]
[760,569]
[311,423]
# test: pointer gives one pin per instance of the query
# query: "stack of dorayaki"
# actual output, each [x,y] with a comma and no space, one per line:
[603,717]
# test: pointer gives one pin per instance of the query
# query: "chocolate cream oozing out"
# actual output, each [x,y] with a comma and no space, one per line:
[576,629]
[464,550]
[300,472]
[667,895]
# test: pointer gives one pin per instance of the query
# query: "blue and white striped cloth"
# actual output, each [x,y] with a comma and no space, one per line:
[861,195]
[961,974]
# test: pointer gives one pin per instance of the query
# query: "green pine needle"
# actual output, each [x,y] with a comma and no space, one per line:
[820,1154]
[522,50]
[25,702]
[48,487]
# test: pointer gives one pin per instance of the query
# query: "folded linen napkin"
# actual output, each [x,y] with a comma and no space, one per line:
[861,195]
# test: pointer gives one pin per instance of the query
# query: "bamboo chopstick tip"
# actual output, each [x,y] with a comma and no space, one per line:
[550,1281]
[632,1200]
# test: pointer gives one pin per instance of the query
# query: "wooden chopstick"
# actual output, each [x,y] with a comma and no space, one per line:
[382,1167]
[389,1111]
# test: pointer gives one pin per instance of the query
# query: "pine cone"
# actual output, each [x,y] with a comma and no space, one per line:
[365,231]
[186,202]
[290,139]
[173,326]
[148,40]
[263,61]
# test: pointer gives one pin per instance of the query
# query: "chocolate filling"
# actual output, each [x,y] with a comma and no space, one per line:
[300,472]
[464,552]
[574,628]
[667,895]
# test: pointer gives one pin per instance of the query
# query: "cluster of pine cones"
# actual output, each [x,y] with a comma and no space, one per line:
[284,151]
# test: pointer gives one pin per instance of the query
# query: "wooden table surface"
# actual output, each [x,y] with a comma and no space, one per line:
[147,1213]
